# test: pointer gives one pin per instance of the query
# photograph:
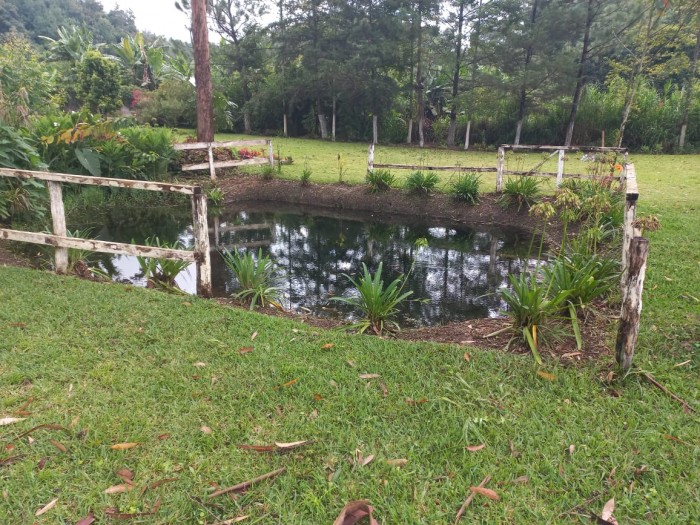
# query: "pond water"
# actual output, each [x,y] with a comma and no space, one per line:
[454,278]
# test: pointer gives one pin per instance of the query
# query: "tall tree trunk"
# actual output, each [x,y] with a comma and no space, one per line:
[475,65]
[689,93]
[580,76]
[202,71]
[420,96]
[522,98]
[322,124]
[333,121]
[409,135]
[455,77]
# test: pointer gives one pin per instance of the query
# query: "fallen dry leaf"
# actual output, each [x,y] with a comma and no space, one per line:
[252,337]
[327,346]
[467,357]
[51,504]
[41,464]
[10,420]
[74,421]
[205,429]
[367,460]
[369,376]
[385,390]
[521,479]
[677,440]
[87,520]
[245,349]
[546,375]
[161,437]
[60,446]
[490,494]
[288,383]
[318,397]
[31,440]
[572,448]
[397,462]
[294,444]
[245,485]
[314,414]
[354,511]
[126,475]
[475,448]
[200,364]
[232,520]
[124,446]
[608,509]
[119,489]
[414,402]
[17,325]
[351,364]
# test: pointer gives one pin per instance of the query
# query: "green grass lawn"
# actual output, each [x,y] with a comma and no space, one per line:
[119,364]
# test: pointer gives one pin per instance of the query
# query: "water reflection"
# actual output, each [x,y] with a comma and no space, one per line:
[455,277]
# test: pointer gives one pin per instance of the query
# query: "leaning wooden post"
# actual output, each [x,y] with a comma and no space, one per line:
[560,168]
[631,196]
[201,242]
[370,159]
[271,154]
[212,170]
[499,176]
[58,217]
[632,289]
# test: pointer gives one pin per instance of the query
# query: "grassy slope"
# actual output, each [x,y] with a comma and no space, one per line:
[130,357]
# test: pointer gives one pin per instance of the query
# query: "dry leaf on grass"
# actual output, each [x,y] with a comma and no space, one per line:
[246,349]
[606,517]
[401,462]
[367,460]
[277,447]
[318,397]
[369,376]
[10,420]
[161,437]
[252,337]
[327,346]
[521,479]
[354,511]
[414,402]
[125,475]
[241,487]
[205,429]
[200,364]
[490,494]
[546,375]
[385,390]
[475,448]
[313,415]
[677,440]
[124,446]
[467,357]
[119,489]
[232,520]
[87,520]
[60,446]
[51,504]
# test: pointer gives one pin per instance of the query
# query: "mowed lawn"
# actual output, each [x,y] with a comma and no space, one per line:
[177,376]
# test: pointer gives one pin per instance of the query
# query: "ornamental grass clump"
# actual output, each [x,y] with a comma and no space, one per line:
[419,183]
[521,191]
[257,278]
[158,272]
[466,188]
[379,180]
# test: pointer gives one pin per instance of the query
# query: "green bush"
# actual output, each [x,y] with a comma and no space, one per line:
[173,104]
[466,188]
[379,180]
[420,183]
[257,278]
[161,273]
[521,191]
[99,83]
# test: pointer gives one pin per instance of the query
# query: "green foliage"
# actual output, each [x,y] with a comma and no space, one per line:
[256,277]
[173,104]
[161,273]
[376,302]
[521,191]
[99,83]
[305,177]
[466,188]
[420,183]
[215,196]
[379,180]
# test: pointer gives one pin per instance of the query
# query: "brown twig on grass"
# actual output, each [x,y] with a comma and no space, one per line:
[246,484]
[686,405]
[469,499]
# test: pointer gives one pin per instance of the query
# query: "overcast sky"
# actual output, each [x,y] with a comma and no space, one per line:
[156,16]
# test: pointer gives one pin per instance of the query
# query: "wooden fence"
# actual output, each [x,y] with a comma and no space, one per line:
[60,240]
[500,170]
[211,165]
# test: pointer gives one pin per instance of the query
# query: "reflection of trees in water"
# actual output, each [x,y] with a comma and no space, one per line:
[456,275]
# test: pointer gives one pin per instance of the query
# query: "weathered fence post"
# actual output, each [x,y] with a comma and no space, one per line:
[58,217]
[212,170]
[370,159]
[375,130]
[560,168]
[271,154]
[466,135]
[501,161]
[631,196]
[632,289]
[201,242]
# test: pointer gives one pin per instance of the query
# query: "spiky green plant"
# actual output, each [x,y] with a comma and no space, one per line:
[377,302]
[521,191]
[420,183]
[158,272]
[256,277]
[379,180]
[466,188]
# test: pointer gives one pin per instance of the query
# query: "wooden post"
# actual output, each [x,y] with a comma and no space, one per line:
[201,243]
[632,289]
[271,154]
[370,159]
[499,176]
[375,130]
[560,168]
[628,233]
[212,170]
[466,135]
[602,139]
[58,216]
[284,124]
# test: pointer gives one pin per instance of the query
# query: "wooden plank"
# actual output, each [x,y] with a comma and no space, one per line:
[370,158]
[201,245]
[212,169]
[87,180]
[271,154]
[58,218]
[560,167]
[480,169]
[630,216]
[95,245]
[242,227]
[589,149]
[226,164]
[226,144]
[630,314]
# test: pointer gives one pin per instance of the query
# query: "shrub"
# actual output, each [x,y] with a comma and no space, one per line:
[173,104]
[466,188]
[305,176]
[420,183]
[379,180]
[161,273]
[520,190]
[99,82]
[256,278]
[377,303]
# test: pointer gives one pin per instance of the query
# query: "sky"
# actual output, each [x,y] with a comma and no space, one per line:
[156,16]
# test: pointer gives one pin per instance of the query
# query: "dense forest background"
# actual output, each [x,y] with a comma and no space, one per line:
[424,71]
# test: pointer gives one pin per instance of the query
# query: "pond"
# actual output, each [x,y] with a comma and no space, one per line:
[454,278]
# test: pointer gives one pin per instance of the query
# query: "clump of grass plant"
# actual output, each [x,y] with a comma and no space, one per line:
[379,180]
[521,191]
[268,172]
[466,188]
[305,177]
[215,196]
[256,277]
[377,302]
[420,183]
[161,273]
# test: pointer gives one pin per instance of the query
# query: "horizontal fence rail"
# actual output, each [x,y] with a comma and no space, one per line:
[61,241]
[212,164]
